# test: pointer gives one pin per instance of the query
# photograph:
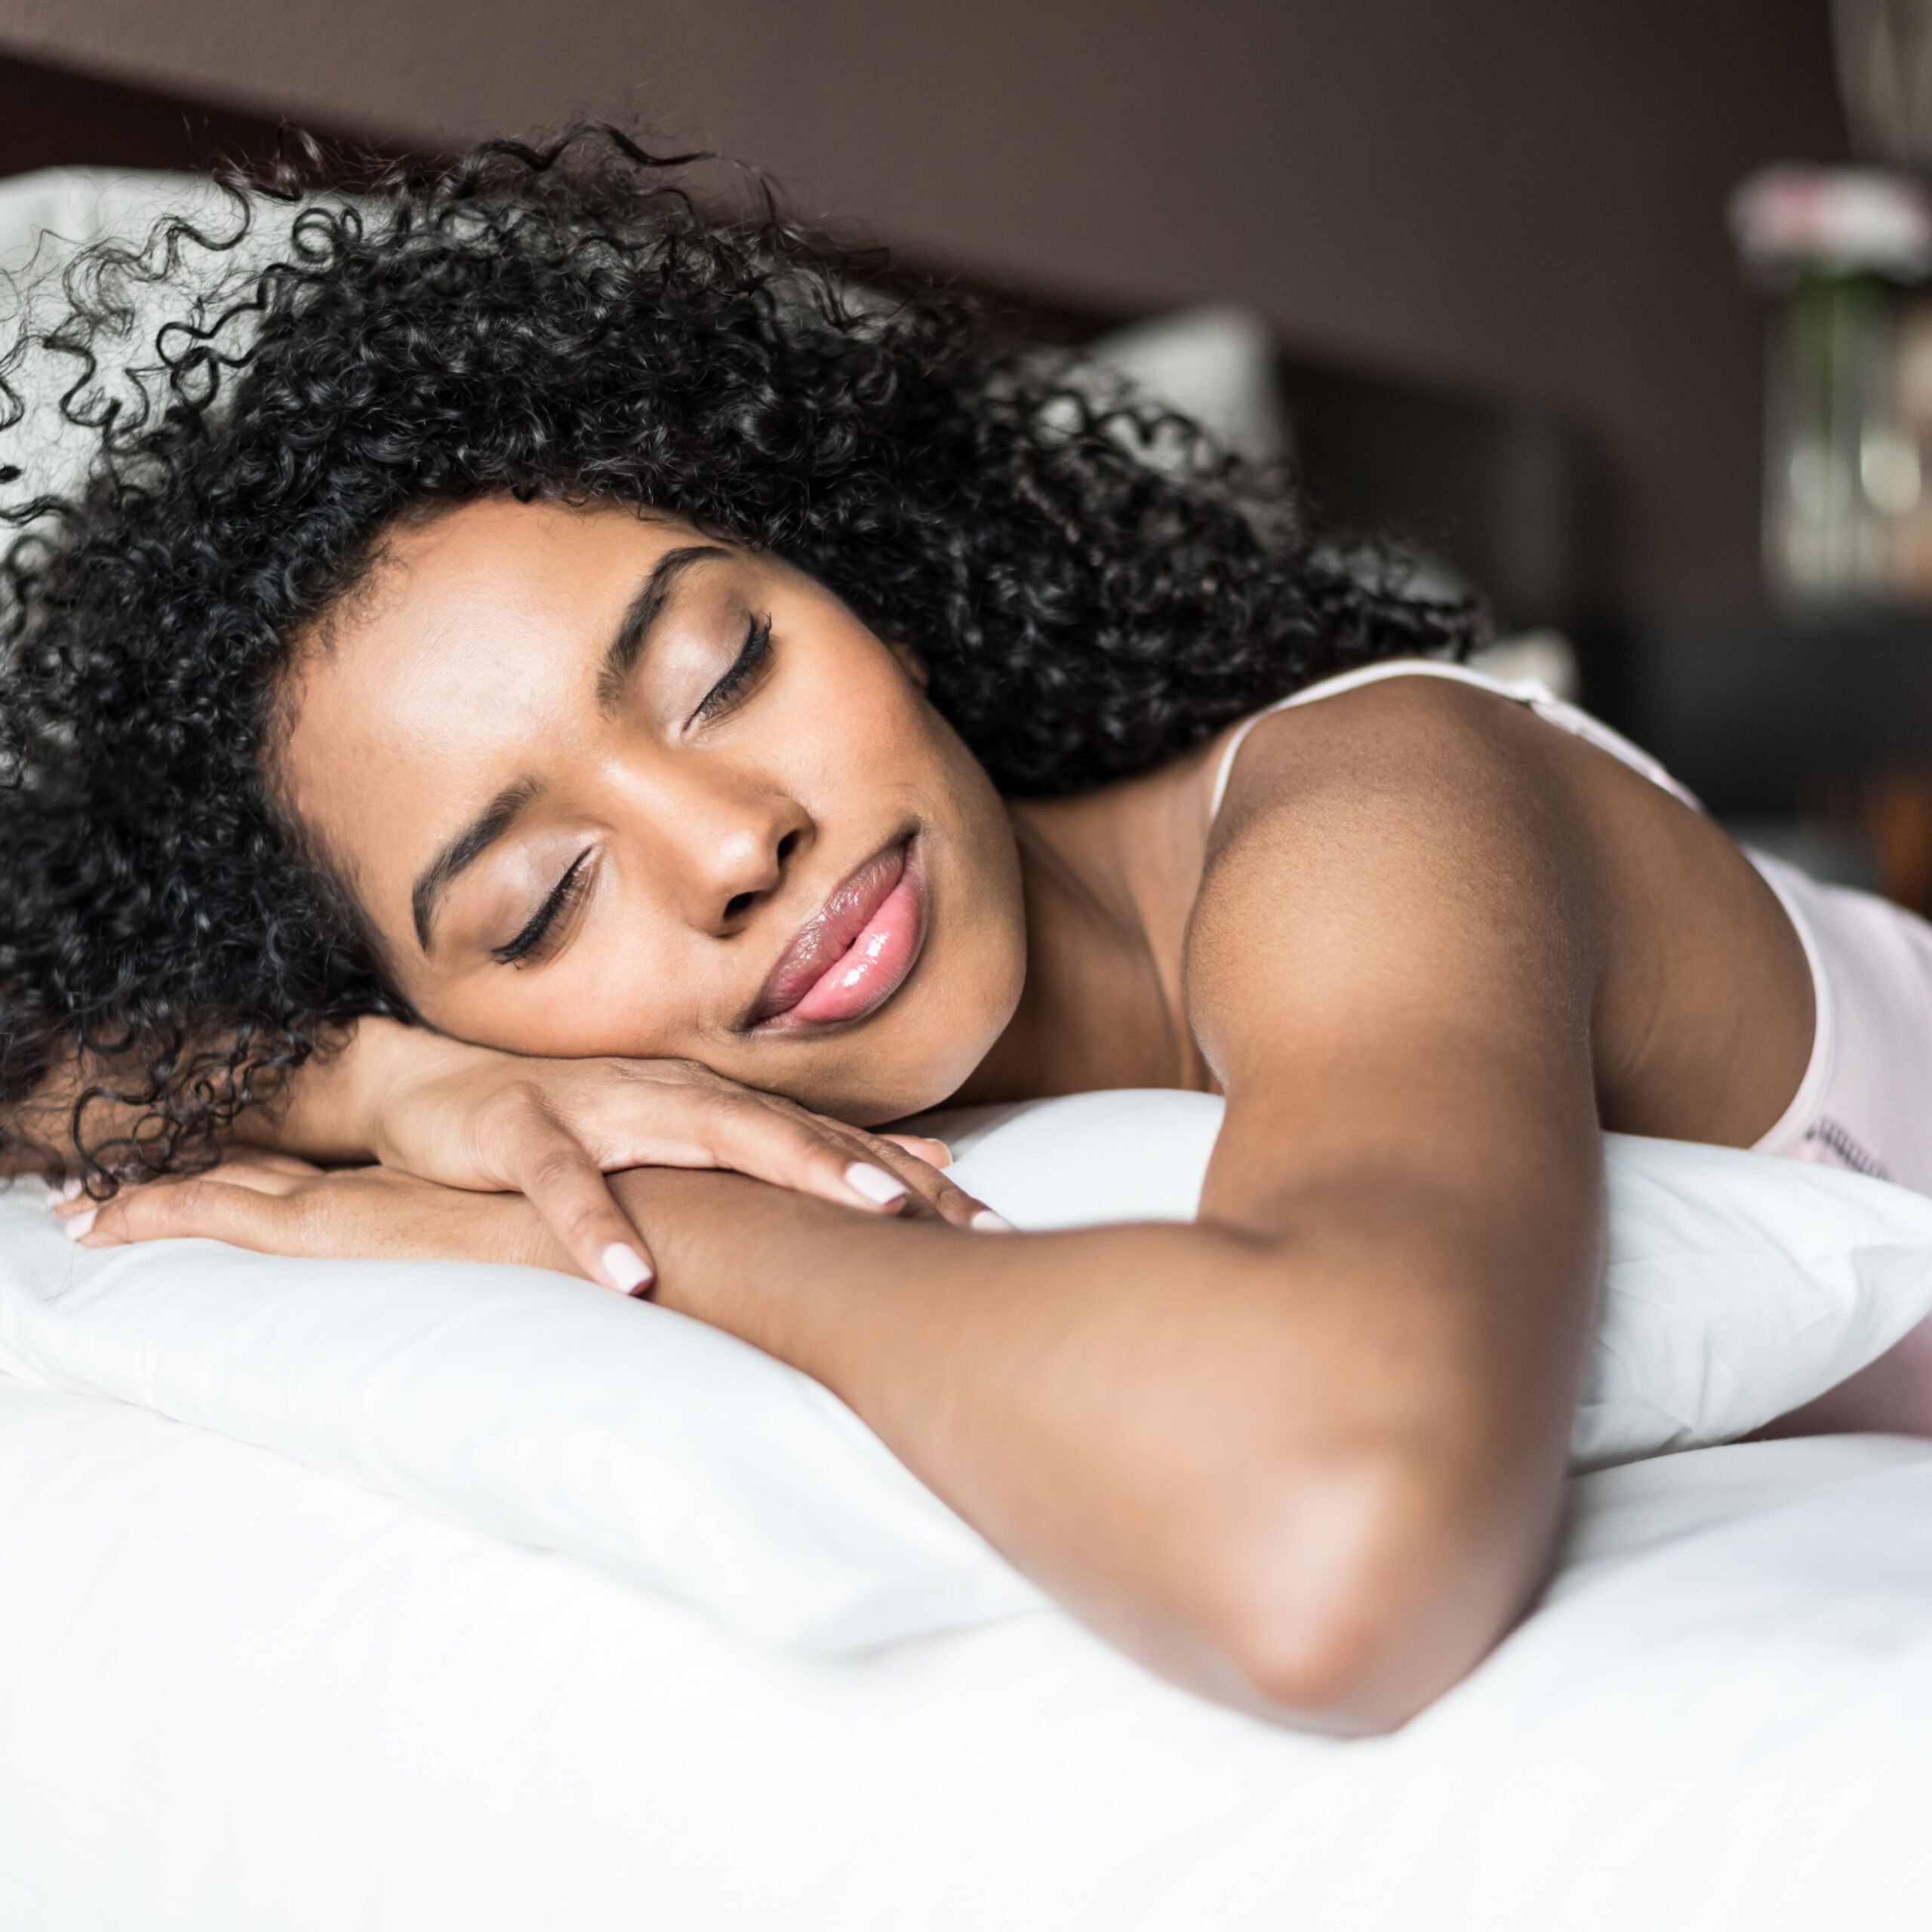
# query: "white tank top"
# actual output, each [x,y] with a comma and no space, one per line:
[1865,1100]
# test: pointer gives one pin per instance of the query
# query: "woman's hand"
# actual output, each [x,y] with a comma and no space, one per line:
[551,1130]
[277,1204]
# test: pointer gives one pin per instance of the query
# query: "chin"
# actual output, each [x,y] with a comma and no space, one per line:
[903,1061]
[872,1101]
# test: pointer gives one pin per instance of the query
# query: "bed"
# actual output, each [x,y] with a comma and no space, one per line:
[244,1697]
[285,1642]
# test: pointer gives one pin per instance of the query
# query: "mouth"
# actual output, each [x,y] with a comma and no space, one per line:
[854,953]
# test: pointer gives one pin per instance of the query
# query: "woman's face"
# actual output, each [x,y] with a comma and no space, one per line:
[605,785]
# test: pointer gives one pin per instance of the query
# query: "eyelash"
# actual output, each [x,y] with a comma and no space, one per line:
[744,668]
[529,944]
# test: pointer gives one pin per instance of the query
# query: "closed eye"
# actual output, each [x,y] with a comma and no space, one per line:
[736,683]
[533,942]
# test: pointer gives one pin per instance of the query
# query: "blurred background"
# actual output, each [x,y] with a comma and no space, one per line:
[1515,274]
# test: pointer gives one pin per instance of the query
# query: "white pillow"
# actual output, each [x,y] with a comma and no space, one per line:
[531,1405]
[45,217]
[1216,365]
[1738,1285]
[555,1414]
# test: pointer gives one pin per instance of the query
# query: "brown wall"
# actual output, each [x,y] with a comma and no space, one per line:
[1524,196]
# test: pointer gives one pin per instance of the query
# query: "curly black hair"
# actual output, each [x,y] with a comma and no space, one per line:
[571,322]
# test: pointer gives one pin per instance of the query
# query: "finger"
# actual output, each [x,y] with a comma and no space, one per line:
[568,1189]
[934,1190]
[282,1176]
[934,1153]
[772,1139]
[83,1215]
[707,1123]
[181,1209]
[277,1174]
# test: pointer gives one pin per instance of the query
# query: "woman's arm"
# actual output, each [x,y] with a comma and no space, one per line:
[1268,1468]
[1304,1454]
[550,1129]
[471,1117]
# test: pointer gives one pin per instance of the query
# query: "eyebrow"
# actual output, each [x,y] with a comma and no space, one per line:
[620,656]
[464,850]
[633,631]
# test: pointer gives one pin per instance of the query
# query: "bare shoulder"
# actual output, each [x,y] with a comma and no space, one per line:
[1398,927]
[1415,800]
[1421,848]
[1420,738]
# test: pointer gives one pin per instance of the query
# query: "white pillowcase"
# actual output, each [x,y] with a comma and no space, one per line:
[531,1405]
[1738,1285]
[664,1453]
[45,217]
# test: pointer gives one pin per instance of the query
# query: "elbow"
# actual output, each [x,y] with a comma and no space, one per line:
[1345,1668]
[1359,1598]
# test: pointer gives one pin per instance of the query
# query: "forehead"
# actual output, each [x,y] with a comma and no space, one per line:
[491,576]
[478,618]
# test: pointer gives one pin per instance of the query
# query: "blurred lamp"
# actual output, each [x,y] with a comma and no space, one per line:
[1847,253]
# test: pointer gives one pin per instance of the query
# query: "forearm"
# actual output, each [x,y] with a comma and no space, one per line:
[1191,1435]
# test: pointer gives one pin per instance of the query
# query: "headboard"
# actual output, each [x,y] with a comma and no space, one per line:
[1513,496]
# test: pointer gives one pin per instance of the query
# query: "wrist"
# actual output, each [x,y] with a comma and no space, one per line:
[394,1063]
[334,1107]
[782,1270]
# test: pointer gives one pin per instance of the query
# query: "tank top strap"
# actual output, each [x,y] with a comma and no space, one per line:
[1524,690]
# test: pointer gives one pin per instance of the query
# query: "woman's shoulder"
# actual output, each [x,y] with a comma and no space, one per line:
[1406,806]
[1423,737]
[1443,820]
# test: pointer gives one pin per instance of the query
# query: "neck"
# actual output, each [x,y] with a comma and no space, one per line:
[1109,880]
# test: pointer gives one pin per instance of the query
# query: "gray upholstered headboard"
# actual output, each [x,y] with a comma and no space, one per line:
[1513,496]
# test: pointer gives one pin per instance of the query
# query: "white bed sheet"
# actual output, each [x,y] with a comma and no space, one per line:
[240,1697]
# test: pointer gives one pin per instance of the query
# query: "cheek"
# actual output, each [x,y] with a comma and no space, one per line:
[625,989]
[854,727]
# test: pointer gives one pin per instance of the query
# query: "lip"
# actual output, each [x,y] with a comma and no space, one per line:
[854,953]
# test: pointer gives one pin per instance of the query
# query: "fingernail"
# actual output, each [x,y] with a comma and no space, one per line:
[986,1222]
[878,1186]
[67,1190]
[626,1268]
[82,1223]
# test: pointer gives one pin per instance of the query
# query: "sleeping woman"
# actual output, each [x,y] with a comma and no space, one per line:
[563,721]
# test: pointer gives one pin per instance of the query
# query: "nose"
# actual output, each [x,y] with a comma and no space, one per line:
[738,849]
